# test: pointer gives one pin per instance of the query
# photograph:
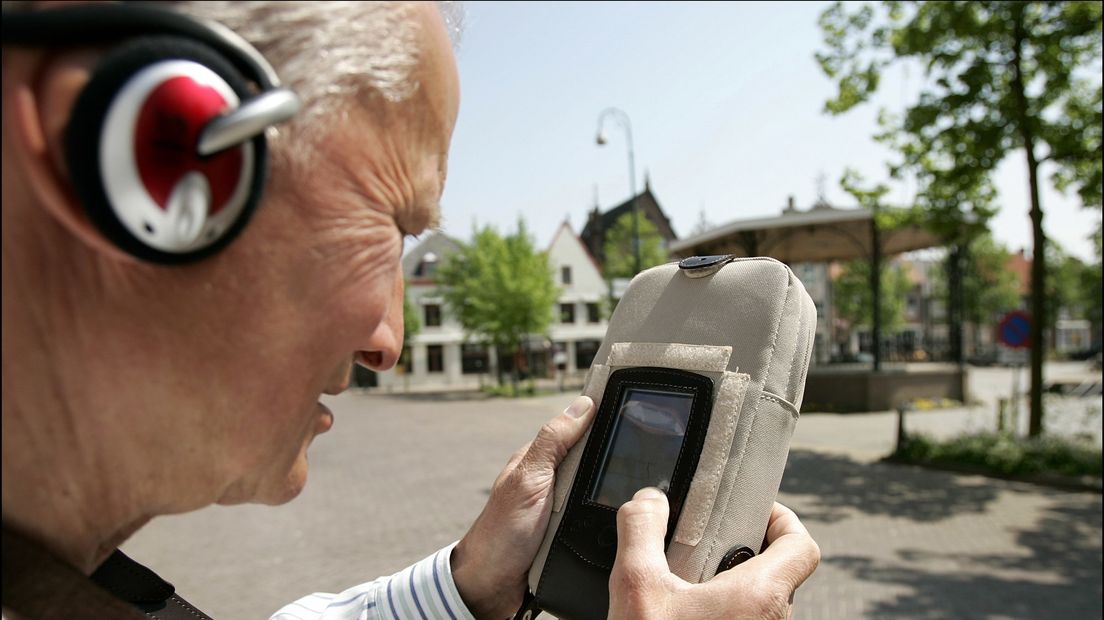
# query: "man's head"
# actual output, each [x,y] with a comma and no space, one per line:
[198,384]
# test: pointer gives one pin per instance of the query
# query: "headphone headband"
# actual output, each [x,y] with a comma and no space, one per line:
[96,23]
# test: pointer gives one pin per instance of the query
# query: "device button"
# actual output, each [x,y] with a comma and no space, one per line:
[701,262]
[608,536]
[735,556]
[702,266]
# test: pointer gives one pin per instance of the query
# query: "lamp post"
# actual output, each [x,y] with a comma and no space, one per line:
[623,119]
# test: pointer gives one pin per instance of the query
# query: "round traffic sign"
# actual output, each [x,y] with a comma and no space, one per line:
[1014,330]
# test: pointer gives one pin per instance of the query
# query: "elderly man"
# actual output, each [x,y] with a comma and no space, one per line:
[134,388]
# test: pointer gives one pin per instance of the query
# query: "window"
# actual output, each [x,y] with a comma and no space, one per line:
[592,313]
[585,350]
[435,355]
[427,266]
[474,359]
[567,313]
[565,275]
[433,315]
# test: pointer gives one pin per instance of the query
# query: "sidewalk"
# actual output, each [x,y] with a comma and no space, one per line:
[905,542]
[398,478]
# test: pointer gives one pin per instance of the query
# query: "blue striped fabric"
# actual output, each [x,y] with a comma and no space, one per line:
[424,591]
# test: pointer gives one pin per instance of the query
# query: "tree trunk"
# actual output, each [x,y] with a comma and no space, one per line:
[1038,259]
[515,376]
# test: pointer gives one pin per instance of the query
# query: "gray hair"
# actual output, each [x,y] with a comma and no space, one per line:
[331,52]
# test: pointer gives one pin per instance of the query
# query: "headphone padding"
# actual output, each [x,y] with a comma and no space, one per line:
[83,136]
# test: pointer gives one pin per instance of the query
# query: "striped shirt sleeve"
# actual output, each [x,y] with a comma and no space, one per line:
[424,591]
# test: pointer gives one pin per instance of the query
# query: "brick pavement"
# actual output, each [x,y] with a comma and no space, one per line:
[399,477]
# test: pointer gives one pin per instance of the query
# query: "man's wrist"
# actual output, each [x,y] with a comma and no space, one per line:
[487,597]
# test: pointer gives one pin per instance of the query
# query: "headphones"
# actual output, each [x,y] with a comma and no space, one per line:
[165,147]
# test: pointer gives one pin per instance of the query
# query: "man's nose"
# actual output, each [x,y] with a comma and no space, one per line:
[385,343]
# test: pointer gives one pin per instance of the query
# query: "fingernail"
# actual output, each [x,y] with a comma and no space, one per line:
[649,493]
[579,407]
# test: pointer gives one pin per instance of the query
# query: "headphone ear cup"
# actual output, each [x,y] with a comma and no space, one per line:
[131,151]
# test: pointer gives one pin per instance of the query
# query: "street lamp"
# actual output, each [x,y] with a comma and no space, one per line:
[600,139]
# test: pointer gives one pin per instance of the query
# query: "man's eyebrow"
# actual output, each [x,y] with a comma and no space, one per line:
[434,215]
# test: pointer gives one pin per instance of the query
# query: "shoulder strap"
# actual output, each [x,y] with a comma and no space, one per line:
[142,588]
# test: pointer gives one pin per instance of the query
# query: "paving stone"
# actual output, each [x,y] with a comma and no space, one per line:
[399,477]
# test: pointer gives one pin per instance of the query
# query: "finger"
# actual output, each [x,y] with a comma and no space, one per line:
[791,555]
[556,437]
[641,528]
[512,463]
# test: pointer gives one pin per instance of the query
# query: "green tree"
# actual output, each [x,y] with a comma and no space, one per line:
[1091,286]
[619,246]
[1003,77]
[854,298]
[1066,289]
[989,287]
[500,288]
[412,324]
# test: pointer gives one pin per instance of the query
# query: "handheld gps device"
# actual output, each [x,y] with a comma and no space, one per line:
[697,385]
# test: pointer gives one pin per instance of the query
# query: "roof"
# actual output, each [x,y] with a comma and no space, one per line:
[822,233]
[645,201]
[437,243]
[566,226]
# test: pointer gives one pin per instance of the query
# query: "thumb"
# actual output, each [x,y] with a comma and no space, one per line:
[641,528]
[557,436]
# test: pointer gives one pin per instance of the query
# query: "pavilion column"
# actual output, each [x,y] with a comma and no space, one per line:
[876,289]
[956,303]
[750,242]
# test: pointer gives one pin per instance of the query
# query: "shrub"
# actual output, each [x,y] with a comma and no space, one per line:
[1007,455]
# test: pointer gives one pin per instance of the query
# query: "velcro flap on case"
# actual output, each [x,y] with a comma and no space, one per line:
[692,357]
[565,473]
[728,399]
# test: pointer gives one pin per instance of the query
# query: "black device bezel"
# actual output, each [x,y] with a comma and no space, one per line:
[589,528]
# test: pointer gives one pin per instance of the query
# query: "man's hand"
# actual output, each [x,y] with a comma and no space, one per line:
[491,562]
[642,586]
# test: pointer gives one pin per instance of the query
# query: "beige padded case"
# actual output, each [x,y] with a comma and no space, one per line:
[749,326]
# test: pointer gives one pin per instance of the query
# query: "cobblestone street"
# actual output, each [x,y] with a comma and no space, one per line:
[399,477]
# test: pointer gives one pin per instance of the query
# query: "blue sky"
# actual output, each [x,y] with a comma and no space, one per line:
[726,106]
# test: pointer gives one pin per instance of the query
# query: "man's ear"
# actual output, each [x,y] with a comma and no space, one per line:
[40,90]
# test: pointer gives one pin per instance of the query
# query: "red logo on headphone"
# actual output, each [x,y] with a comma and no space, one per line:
[165,139]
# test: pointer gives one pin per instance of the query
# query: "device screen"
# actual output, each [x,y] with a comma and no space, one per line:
[647,438]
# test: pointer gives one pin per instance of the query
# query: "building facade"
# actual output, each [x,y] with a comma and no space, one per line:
[442,357]
[581,316]
[599,223]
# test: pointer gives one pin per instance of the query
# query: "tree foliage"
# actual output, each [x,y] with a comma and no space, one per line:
[1070,288]
[412,324]
[967,118]
[619,246]
[1001,77]
[854,299]
[501,288]
[989,287]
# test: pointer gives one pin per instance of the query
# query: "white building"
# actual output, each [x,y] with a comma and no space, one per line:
[435,356]
[818,283]
[581,316]
[440,357]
